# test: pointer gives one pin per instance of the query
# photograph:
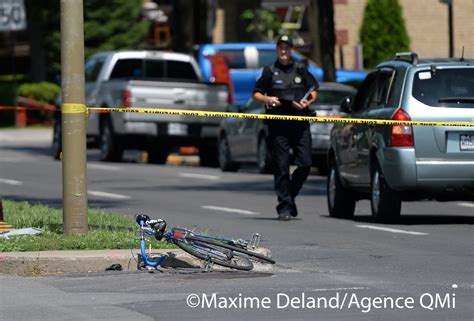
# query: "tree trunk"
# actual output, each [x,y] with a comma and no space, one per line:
[313,22]
[36,27]
[234,27]
[323,38]
[327,39]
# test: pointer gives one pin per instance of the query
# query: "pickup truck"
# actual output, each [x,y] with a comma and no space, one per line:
[149,79]
[246,61]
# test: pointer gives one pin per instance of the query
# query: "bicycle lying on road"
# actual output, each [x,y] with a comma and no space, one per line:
[235,254]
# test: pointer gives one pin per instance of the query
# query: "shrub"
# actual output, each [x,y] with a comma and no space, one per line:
[44,92]
[383,31]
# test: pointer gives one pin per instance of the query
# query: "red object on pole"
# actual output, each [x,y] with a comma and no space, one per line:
[21,118]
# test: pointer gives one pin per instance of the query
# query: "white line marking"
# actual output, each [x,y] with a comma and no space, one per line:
[109,195]
[340,289]
[391,230]
[191,175]
[231,210]
[466,204]
[103,167]
[10,182]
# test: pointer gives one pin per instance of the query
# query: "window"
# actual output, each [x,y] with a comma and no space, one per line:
[92,68]
[127,69]
[363,96]
[445,87]
[153,69]
[381,93]
[332,97]
[180,70]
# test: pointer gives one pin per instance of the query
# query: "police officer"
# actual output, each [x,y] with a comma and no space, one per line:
[286,87]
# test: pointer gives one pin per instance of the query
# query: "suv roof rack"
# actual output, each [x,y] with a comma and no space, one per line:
[413,57]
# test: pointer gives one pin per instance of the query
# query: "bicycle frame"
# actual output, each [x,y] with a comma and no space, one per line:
[146,261]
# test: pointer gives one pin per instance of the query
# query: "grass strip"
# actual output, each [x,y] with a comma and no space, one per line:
[106,230]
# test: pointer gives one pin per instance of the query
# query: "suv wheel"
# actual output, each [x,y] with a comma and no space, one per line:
[341,203]
[385,202]
[226,163]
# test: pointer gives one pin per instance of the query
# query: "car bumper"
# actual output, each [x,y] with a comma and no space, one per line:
[403,172]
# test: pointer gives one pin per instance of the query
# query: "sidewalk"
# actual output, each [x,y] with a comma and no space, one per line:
[30,134]
[59,262]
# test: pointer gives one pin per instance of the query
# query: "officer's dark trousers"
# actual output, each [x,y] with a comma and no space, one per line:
[284,135]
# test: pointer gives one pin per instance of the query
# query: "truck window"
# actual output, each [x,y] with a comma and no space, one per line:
[155,69]
[180,70]
[92,68]
[127,69]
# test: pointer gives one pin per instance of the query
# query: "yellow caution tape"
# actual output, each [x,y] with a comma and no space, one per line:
[202,113]
[73,108]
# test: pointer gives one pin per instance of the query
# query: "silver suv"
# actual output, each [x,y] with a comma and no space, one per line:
[391,164]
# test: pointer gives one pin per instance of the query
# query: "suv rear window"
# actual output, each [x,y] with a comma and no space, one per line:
[453,87]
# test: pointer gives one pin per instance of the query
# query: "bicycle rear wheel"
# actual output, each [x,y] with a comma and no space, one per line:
[216,254]
[246,253]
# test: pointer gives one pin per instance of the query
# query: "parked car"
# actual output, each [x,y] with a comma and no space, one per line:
[243,140]
[391,164]
[149,79]
[328,103]
[246,61]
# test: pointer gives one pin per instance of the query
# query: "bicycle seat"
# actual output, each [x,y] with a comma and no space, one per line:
[141,217]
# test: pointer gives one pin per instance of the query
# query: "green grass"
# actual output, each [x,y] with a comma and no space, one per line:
[106,230]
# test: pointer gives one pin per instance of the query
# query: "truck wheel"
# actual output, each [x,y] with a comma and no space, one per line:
[225,158]
[158,154]
[110,147]
[56,146]
[341,203]
[208,156]
[264,160]
[386,203]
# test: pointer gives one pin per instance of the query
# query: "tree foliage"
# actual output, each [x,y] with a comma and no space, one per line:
[383,31]
[112,25]
[264,24]
[108,25]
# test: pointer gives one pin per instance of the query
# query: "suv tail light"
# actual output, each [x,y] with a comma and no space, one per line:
[401,135]
[126,98]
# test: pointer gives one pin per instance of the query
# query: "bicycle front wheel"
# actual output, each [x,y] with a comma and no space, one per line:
[215,253]
[243,252]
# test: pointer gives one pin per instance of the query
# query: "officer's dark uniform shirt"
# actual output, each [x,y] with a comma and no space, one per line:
[288,83]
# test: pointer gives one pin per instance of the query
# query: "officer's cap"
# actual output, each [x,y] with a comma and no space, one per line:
[286,39]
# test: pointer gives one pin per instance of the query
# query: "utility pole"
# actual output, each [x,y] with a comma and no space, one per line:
[73,117]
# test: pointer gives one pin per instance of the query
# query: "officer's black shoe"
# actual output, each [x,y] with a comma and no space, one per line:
[294,211]
[285,216]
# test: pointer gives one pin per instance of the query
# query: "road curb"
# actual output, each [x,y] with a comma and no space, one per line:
[60,262]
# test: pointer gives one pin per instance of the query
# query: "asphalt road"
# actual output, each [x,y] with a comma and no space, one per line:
[327,269]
